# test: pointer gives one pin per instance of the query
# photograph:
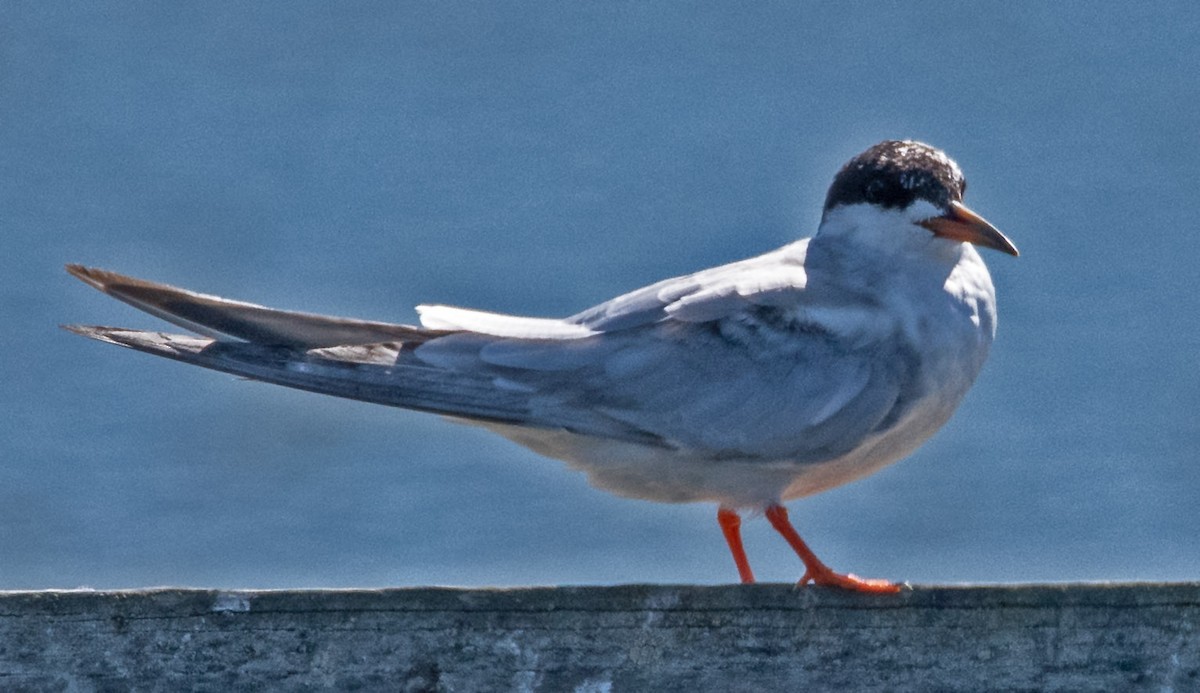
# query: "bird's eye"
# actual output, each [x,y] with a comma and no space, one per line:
[874,191]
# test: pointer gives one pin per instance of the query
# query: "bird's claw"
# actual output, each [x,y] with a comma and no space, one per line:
[825,577]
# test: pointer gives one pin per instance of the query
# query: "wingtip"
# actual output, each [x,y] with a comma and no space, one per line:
[92,276]
[97,332]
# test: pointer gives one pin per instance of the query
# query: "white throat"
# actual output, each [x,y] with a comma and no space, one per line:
[890,231]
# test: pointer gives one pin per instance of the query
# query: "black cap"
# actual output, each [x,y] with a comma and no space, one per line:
[895,173]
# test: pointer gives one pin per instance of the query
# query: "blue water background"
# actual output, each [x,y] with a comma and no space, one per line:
[539,157]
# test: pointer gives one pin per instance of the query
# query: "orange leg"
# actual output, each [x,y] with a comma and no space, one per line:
[816,571]
[731,525]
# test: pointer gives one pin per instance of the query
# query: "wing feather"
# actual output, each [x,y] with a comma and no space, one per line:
[221,318]
[732,361]
[772,279]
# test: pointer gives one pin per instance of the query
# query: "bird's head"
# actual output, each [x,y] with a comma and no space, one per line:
[905,181]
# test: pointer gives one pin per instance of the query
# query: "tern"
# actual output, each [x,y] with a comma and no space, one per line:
[745,385]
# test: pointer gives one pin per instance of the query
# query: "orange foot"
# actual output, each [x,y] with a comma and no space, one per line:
[817,572]
[827,578]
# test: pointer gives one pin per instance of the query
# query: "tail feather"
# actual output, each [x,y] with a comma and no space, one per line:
[376,380]
[222,318]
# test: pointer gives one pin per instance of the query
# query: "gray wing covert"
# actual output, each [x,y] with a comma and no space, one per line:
[771,279]
[715,362]
[742,386]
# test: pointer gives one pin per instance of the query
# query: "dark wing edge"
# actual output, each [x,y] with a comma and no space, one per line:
[222,318]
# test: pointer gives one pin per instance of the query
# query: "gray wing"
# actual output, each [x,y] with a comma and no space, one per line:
[739,361]
[378,373]
[715,363]
[345,357]
[755,385]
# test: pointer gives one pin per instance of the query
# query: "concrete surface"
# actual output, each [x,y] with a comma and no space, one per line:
[626,638]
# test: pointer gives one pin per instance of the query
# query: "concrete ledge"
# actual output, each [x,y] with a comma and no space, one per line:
[626,638]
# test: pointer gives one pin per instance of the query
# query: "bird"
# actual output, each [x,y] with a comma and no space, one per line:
[746,385]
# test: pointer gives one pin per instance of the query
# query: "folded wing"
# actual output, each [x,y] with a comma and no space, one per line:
[716,363]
